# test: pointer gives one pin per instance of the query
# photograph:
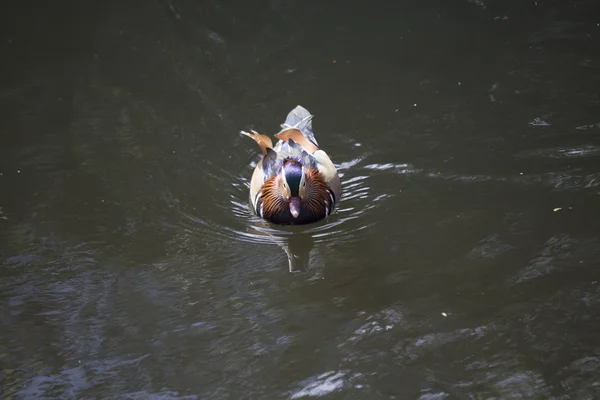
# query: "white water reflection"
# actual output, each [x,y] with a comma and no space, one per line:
[326,383]
[539,122]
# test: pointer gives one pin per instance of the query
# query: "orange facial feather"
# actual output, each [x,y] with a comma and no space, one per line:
[316,192]
[272,197]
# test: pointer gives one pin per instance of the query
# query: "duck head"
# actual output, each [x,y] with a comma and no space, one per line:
[295,195]
[294,185]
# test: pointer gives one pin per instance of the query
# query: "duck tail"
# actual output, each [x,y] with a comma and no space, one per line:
[299,118]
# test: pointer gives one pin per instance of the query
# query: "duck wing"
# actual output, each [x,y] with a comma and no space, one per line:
[290,150]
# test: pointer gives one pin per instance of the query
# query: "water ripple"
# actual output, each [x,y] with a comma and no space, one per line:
[235,220]
[326,383]
[564,152]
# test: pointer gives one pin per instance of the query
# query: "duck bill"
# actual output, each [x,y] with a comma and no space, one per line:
[295,206]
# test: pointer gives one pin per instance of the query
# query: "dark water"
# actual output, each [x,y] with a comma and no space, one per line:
[463,261]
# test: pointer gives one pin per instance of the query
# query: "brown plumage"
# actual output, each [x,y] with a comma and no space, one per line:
[295,182]
[263,141]
[297,137]
[271,199]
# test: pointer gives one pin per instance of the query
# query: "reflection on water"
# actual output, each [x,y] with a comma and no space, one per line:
[462,260]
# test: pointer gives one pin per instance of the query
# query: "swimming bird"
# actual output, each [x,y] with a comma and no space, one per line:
[295,182]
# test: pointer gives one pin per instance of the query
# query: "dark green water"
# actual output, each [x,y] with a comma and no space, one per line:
[463,260]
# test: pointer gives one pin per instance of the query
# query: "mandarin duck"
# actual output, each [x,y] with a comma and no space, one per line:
[295,182]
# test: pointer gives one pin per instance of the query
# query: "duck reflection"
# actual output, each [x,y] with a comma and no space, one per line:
[296,244]
[297,247]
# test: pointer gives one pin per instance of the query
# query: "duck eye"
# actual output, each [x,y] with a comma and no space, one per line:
[304,184]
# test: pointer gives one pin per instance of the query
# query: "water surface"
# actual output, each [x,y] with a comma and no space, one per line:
[463,259]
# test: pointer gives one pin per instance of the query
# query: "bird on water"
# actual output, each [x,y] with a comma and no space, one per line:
[295,182]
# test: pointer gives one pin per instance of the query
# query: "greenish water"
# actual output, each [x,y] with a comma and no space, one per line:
[462,262]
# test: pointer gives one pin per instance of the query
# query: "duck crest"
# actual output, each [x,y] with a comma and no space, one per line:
[292,170]
[295,182]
